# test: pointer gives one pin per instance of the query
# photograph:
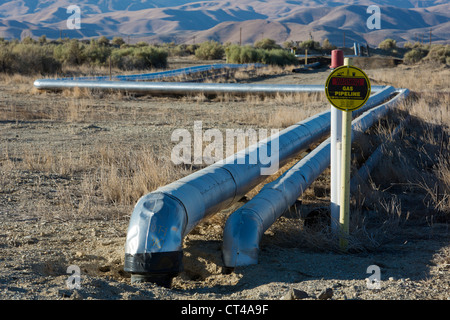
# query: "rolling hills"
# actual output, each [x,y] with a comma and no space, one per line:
[185,21]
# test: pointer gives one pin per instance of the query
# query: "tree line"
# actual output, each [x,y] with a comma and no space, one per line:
[41,56]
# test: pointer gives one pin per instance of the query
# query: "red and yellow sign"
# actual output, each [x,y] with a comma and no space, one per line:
[347,88]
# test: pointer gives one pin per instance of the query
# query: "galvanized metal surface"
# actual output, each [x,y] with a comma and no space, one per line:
[180,87]
[161,219]
[175,87]
[363,173]
[168,73]
[245,227]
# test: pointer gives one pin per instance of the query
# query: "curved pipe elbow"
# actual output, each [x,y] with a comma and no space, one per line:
[242,234]
[154,237]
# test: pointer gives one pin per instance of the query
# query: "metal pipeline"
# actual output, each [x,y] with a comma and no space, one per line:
[162,218]
[180,87]
[169,73]
[306,67]
[363,173]
[245,227]
[175,87]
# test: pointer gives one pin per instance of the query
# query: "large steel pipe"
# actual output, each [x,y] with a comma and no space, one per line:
[368,166]
[245,227]
[161,219]
[180,87]
[175,87]
[169,73]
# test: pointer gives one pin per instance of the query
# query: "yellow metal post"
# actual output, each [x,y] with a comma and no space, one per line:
[344,215]
[347,88]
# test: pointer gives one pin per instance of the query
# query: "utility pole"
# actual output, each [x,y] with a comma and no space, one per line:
[430,38]
[240,36]
[344,41]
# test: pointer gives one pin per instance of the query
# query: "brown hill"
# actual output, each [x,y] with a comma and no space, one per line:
[184,20]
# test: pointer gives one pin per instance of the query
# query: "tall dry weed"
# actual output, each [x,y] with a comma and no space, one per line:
[126,175]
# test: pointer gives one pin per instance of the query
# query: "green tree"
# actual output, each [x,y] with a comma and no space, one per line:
[28,40]
[42,39]
[117,41]
[267,44]
[327,45]
[414,56]
[34,59]
[141,44]
[139,58]
[7,58]
[439,53]
[388,44]
[210,50]
[70,53]
[103,41]
[310,45]
[289,44]
[249,54]
[97,54]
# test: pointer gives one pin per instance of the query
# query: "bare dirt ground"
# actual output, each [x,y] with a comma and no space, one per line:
[69,182]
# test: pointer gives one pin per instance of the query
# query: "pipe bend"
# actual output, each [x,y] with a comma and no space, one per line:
[247,228]
[154,237]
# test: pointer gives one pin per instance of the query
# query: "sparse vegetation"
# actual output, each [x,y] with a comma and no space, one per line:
[210,50]
[310,45]
[437,53]
[388,44]
[414,56]
[45,57]
[139,58]
[249,54]
[27,58]
[267,44]
[74,164]
[327,45]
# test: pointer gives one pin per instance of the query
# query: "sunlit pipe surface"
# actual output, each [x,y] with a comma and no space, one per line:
[363,173]
[245,227]
[161,219]
[168,73]
[181,87]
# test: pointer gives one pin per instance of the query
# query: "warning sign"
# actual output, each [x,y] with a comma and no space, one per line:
[347,88]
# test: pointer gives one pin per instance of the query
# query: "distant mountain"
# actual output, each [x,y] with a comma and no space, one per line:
[185,21]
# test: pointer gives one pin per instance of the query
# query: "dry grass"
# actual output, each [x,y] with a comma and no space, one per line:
[90,182]
[411,183]
[98,178]
[416,78]
[87,182]
[418,160]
